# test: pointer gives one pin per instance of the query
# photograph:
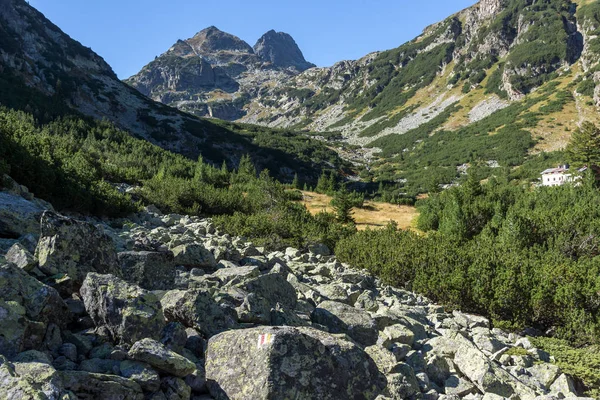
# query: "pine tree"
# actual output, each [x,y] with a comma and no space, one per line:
[342,205]
[295,182]
[584,147]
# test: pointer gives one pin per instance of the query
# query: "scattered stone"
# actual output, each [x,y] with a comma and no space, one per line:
[154,353]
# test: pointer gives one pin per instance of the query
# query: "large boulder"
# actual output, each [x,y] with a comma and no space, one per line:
[342,318]
[289,363]
[41,302]
[150,270]
[19,216]
[486,375]
[263,294]
[29,380]
[87,385]
[70,249]
[196,308]
[194,255]
[157,355]
[26,308]
[129,312]
[230,274]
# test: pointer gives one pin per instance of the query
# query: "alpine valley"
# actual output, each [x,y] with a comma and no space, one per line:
[197,231]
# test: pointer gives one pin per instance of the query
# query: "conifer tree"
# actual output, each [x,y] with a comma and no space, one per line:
[295,182]
[584,147]
[342,205]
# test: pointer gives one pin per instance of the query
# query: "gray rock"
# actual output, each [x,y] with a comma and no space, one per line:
[196,308]
[402,384]
[70,249]
[100,366]
[127,311]
[29,380]
[342,318]
[69,350]
[261,295]
[458,386]
[194,255]
[319,249]
[148,269]
[26,308]
[438,369]
[19,216]
[30,356]
[545,374]
[237,274]
[141,373]
[281,362]
[397,334]
[21,257]
[154,353]
[175,388]
[281,50]
[563,385]
[87,385]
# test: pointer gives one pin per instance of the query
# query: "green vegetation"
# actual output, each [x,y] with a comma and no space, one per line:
[522,256]
[584,147]
[72,162]
[584,363]
[588,16]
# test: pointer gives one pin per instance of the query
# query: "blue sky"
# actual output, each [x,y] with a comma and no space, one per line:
[130,33]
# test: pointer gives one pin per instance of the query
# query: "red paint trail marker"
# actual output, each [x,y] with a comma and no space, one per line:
[265,339]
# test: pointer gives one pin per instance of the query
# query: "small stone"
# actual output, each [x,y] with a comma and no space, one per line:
[69,350]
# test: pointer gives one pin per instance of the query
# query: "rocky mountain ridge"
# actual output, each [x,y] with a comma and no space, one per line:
[468,68]
[168,307]
[47,74]
[212,73]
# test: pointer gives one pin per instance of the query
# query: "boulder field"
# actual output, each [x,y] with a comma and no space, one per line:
[167,307]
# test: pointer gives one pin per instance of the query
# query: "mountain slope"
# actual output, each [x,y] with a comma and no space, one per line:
[493,85]
[214,73]
[521,70]
[46,73]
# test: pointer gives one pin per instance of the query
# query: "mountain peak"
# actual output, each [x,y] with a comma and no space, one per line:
[281,50]
[213,39]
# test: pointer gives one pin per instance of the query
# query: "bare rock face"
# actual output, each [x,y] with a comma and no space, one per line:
[490,8]
[281,50]
[216,64]
[285,362]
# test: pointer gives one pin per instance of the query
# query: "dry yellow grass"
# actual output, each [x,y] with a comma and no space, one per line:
[373,215]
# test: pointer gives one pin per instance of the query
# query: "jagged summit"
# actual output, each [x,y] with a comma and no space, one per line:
[211,73]
[281,50]
[213,39]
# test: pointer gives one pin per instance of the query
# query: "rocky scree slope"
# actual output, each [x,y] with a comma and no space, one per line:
[214,73]
[46,73]
[168,307]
